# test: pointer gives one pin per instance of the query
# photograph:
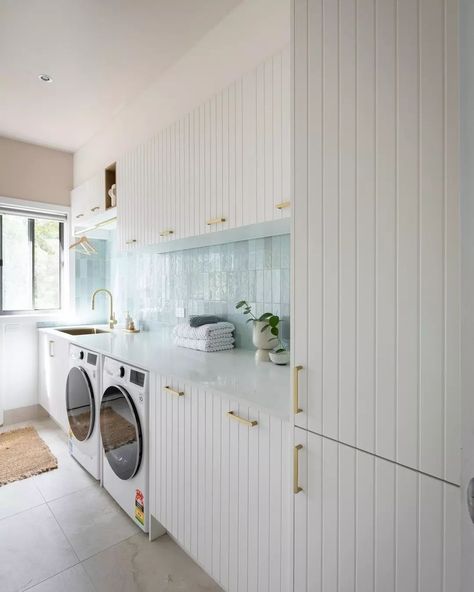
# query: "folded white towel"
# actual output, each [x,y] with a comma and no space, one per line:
[206,345]
[221,329]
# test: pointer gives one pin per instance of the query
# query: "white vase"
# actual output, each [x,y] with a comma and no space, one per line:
[263,341]
[280,358]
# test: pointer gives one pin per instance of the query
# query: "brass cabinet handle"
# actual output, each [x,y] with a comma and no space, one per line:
[296,408]
[283,205]
[249,423]
[173,391]
[132,241]
[94,209]
[296,487]
[79,215]
[215,221]
[166,232]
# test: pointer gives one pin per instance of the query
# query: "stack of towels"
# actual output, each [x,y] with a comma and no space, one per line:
[205,333]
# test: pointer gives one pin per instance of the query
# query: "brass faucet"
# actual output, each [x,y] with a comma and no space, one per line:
[112,319]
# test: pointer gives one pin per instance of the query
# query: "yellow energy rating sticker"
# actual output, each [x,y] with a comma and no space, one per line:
[139,507]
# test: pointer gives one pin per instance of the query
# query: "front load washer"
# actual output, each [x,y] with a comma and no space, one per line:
[124,431]
[83,407]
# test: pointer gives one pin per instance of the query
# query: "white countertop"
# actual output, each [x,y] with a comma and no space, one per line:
[234,373]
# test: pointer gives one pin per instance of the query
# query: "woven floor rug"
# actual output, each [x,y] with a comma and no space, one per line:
[23,454]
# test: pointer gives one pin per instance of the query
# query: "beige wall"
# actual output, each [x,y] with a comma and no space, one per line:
[34,173]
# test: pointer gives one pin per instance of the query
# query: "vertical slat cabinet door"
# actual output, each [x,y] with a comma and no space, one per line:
[376,316]
[363,523]
[127,238]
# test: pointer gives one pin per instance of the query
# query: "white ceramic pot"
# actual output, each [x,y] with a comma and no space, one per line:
[280,358]
[263,341]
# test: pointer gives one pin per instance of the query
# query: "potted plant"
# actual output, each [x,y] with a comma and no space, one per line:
[265,333]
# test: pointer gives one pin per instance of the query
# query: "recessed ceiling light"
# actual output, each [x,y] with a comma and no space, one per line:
[45,78]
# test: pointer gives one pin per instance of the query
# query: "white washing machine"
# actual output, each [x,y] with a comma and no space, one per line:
[83,407]
[124,431]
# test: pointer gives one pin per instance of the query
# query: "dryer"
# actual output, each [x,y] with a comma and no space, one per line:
[83,407]
[124,433]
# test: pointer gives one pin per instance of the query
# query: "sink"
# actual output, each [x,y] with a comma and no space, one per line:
[82,331]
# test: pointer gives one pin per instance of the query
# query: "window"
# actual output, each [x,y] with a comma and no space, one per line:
[31,261]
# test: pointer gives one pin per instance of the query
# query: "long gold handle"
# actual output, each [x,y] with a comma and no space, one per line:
[247,422]
[283,205]
[215,221]
[131,241]
[296,487]
[166,232]
[95,209]
[296,408]
[173,391]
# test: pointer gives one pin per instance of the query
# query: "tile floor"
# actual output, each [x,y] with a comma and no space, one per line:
[60,531]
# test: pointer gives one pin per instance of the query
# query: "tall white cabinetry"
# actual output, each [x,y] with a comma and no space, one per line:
[376,294]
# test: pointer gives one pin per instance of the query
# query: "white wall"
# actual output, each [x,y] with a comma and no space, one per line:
[253,31]
[467,228]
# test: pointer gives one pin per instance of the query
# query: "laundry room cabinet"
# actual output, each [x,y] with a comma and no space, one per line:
[376,257]
[53,371]
[363,523]
[221,486]
[223,165]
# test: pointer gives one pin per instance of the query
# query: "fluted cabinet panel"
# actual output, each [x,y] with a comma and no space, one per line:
[227,161]
[376,228]
[220,487]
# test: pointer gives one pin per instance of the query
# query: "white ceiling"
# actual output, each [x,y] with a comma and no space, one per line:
[100,53]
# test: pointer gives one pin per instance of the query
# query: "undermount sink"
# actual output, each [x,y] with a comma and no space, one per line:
[83,331]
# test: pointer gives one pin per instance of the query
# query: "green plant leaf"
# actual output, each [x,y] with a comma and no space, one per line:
[280,350]
[274,331]
[274,320]
[249,320]
[240,304]
[265,316]
[264,328]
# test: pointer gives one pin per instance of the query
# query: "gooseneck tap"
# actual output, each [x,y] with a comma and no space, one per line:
[112,319]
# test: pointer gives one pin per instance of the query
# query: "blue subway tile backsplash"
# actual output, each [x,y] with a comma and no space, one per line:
[152,286]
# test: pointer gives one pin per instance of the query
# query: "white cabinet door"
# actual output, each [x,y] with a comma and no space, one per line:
[88,199]
[53,369]
[376,228]
[363,523]
[220,487]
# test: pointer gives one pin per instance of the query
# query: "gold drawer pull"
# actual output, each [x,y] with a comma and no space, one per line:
[79,215]
[173,391]
[132,241]
[215,221]
[94,209]
[296,487]
[166,232]
[296,408]
[249,423]
[283,205]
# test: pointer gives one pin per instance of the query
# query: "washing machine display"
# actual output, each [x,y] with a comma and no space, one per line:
[80,403]
[121,432]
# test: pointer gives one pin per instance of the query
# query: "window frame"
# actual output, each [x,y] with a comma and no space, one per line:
[31,234]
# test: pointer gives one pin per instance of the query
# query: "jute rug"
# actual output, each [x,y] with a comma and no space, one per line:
[23,454]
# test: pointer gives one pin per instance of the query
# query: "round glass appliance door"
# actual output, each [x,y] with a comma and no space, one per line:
[121,432]
[80,404]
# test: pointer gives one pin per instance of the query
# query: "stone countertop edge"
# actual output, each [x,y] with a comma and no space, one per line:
[233,373]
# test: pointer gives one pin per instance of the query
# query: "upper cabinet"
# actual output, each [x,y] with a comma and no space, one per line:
[222,166]
[94,200]
[376,229]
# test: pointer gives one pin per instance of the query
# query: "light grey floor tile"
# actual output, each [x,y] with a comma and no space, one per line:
[68,478]
[18,497]
[32,548]
[74,579]
[136,565]
[92,521]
